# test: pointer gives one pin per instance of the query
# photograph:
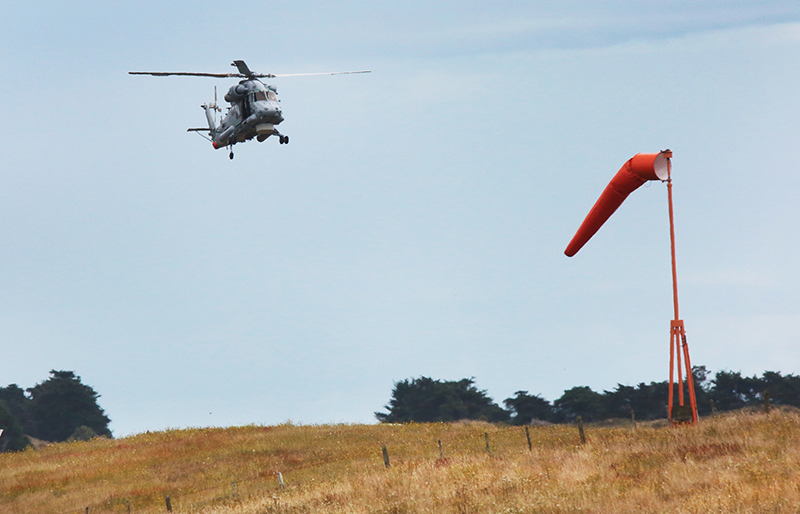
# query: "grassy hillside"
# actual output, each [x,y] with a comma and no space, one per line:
[732,463]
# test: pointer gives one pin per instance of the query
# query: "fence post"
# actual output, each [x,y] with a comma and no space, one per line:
[633,418]
[441,453]
[528,435]
[385,456]
[486,435]
[580,430]
[281,483]
[169,503]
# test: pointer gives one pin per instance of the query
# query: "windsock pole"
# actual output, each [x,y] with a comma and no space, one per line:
[638,170]
[677,330]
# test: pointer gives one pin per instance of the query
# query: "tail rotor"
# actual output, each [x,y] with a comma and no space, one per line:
[214,105]
[211,116]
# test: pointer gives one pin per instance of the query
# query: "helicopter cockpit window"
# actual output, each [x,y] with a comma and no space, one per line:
[272,96]
[260,96]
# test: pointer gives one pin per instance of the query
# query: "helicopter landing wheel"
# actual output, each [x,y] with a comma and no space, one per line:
[284,140]
[231,155]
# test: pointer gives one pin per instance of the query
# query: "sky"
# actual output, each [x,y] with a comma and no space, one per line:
[416,223]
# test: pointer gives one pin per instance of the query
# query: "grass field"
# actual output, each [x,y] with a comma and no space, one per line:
[733,463]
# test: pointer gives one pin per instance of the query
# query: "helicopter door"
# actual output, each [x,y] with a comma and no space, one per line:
[247,109]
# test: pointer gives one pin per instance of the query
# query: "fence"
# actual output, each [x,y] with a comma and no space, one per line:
[491,440]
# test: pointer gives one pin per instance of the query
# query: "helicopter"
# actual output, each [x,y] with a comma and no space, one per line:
[254,110]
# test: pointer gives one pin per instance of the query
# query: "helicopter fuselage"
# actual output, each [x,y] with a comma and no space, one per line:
[254,112]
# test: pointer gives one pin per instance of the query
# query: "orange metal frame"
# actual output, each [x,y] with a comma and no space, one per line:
[677,345]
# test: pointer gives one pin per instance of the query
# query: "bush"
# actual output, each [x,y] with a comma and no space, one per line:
[82,433]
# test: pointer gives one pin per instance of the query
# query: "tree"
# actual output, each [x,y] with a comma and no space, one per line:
[733,391]
[525,408]
[62,403]
[579,401]
[621,401]
[426,400]
[12,438]
[647,401]
[702,389]
[782,390]
[19,405]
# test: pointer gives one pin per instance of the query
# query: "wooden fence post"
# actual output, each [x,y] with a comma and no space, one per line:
[486,435]
[385,456]
[633,418]
[580,430]
[281,483]
[169,503]
[528,435]
[441,453]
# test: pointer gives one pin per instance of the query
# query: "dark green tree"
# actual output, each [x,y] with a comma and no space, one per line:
[426,400]
[12,438]
[19,405]
[62,403]
[649,401]
[621,401]
[525,408]
[732,391]
[702,389]
[782,390]
[579,401]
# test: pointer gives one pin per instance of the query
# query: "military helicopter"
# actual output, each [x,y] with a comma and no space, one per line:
[254,111]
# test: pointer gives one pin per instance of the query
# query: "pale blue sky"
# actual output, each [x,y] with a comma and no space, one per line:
[415,225]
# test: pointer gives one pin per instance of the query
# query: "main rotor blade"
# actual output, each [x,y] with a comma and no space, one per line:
[238,75]
[322,73]
[243,69]
[186,74]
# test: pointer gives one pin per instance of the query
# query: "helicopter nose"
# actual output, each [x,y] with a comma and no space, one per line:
[270,114]
[274,115]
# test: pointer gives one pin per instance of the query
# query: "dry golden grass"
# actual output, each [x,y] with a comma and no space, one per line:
[735,463]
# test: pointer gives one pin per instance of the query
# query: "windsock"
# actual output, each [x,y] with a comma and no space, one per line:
[638,170]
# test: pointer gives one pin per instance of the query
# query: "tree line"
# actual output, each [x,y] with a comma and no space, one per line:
[58,409]
[424,399]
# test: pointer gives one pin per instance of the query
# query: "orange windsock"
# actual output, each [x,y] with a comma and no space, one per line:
[638,170]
